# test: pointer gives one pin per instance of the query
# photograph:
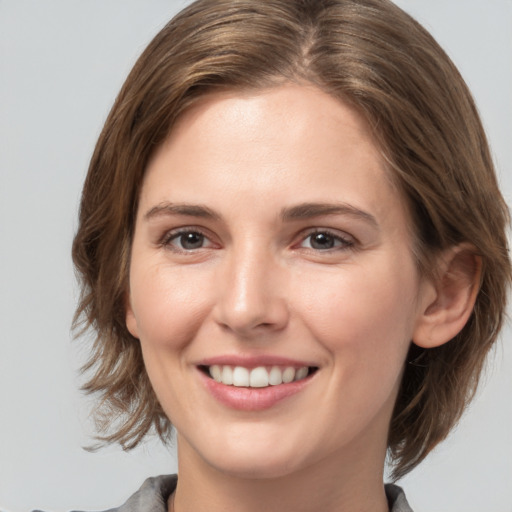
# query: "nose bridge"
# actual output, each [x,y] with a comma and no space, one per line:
[251,296]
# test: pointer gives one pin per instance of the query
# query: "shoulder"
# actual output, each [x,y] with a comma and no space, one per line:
[151,497]
[396,499]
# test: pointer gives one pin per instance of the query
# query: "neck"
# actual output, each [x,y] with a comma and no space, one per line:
[328,485]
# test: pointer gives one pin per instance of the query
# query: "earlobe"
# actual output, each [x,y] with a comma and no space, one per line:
[456,287]
[131,321]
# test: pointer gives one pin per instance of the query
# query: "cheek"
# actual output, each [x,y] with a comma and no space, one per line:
[167,306]
[168,310]
[364,322]
[363,313]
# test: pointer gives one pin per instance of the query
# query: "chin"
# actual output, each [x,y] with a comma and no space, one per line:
[261,468]
[246,456]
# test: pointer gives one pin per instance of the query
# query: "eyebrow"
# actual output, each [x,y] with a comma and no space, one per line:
[190,210]
[299,212]
[311,210]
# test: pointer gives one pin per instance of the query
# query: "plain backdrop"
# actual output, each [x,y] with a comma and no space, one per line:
[61,65]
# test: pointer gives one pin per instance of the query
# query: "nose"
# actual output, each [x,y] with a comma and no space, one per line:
[251,300]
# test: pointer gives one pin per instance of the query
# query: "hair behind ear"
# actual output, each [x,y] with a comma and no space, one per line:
[441,374]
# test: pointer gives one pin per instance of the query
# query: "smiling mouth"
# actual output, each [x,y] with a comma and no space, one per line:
[259,377]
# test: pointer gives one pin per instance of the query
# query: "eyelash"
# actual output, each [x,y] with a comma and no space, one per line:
[170,236]
[345,243]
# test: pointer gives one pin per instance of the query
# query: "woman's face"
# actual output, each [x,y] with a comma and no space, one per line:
[272,252]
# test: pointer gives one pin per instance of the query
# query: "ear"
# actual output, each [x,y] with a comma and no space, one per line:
[131,321]
[449,299]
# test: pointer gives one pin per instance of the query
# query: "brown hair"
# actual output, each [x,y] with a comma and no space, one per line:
[368,53]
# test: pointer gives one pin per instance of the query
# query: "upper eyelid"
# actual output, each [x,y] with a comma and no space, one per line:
[186,229]
[336,233]
[171,234]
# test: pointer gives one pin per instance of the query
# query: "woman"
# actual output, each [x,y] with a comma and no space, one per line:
[292,248]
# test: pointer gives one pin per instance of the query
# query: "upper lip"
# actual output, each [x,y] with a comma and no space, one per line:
[248,361]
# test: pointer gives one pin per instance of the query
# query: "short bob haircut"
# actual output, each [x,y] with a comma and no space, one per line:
[368,54]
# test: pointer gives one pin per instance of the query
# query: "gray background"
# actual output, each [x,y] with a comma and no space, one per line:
[61,65]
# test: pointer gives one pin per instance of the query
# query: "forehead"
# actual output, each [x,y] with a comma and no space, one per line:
[288,143]
[290,106]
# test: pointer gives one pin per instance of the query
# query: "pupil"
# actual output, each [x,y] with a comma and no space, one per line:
[191,241]
[322,241]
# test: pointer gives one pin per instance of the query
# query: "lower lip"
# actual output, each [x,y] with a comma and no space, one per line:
[252,399]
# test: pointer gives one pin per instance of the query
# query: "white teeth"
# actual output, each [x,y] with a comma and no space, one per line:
[288,374]
[301,373]
[275,376]
[240,376]
[227,375]
[216,373]
[259,377]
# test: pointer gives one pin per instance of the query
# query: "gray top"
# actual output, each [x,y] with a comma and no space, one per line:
[154,493]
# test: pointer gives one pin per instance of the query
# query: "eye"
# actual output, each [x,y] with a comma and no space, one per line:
[325,240]
[186,240]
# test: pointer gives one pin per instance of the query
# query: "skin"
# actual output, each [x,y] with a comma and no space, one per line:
[258,282]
